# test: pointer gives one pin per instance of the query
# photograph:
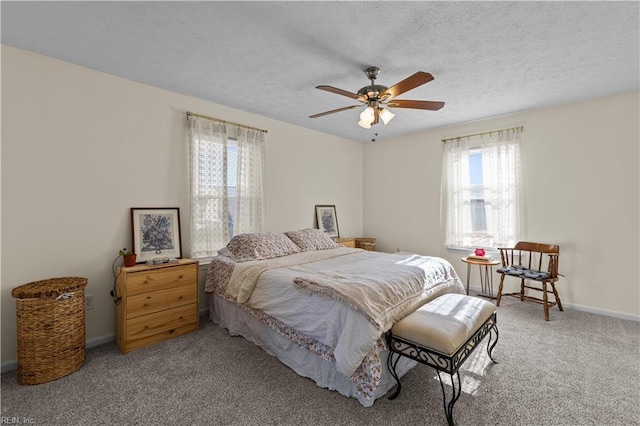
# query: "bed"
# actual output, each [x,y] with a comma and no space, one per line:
[322,309]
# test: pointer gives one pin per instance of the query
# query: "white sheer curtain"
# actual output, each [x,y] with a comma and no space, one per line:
[215,212]
[250,211]
[497,199]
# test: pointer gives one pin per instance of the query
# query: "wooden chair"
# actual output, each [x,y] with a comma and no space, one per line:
[525,262]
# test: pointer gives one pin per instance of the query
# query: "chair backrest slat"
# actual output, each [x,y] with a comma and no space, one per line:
[540,256]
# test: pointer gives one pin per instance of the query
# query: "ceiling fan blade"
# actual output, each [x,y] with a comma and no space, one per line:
[334,110]
[341,92]
[430,105]
[417,79]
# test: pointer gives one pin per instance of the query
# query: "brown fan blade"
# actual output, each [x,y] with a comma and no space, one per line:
[430,105]
[341,92]
[407,84]
[334,110]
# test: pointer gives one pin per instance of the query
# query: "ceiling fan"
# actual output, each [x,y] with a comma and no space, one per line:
[376,97]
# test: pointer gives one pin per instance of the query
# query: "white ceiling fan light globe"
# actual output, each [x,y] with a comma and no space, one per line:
[368,115]
[386,115]
[364,124]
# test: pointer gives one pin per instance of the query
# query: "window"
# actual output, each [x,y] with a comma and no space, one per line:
[232,182]
[227,184]
[478,212]
[481,190]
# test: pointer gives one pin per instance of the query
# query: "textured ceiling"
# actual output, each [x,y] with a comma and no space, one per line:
[488,58]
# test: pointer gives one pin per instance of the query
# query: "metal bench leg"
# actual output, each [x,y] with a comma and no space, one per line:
[455,394]
[391,365]
[490,346]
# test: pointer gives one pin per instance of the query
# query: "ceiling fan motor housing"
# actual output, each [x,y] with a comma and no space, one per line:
[372,92]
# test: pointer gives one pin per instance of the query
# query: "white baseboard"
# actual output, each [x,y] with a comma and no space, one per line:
[9,366]
[590,309]
[605,312]
[93,342]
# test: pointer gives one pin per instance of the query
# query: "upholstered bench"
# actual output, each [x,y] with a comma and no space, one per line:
[442,334]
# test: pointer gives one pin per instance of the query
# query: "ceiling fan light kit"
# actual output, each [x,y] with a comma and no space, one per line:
[376,97]
[370,116]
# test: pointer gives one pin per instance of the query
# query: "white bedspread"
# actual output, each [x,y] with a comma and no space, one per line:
[245,274]
[269,286]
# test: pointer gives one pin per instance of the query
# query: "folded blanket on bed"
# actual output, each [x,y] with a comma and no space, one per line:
[384,288]
[245,274]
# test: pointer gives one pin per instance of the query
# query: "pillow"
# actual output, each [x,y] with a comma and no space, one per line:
[264,245]
[311,239]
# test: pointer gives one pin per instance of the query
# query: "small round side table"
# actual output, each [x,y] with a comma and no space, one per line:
[486,275]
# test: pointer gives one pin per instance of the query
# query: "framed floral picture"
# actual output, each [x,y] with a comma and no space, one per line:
[156,233]
[328,220]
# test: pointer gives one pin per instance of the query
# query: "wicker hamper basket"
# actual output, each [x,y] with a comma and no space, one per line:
[366,243]
[50,328]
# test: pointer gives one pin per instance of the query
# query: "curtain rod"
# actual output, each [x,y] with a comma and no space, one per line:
[521,128]
[193,114]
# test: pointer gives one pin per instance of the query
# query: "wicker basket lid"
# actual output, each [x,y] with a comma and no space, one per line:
[52,287]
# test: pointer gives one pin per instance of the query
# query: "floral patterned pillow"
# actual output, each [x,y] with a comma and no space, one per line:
[311,239]
[263,245]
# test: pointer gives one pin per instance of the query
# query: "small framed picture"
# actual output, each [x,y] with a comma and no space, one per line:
[328,220]
[156,233]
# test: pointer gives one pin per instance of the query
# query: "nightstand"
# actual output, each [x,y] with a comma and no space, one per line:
[157,303]
[347,242]
[486,274]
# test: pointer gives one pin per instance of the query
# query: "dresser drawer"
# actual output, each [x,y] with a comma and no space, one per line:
[143,304]
[160,279]
[157,338]
[160,322]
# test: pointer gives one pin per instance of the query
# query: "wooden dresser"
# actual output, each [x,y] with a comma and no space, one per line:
[157,303]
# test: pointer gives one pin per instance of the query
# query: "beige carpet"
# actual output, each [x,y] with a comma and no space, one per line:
[577,369]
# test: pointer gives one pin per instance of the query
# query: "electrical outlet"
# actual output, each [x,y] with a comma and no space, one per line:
[88,302]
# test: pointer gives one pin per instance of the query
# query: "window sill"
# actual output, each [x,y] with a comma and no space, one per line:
[468,250]
[204,261]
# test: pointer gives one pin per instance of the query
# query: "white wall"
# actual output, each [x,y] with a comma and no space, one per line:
[80,148]
[580,167]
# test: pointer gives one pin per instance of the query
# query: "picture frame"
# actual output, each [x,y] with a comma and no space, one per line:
[327,220]
[155,233]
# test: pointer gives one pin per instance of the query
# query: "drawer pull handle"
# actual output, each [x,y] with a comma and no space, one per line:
[180,297]
[171,331]
[181,276]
